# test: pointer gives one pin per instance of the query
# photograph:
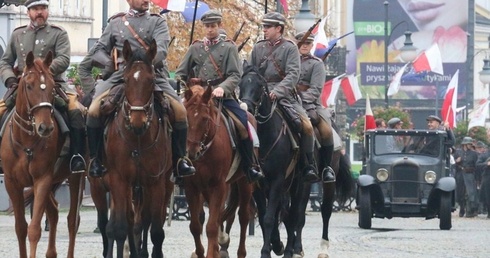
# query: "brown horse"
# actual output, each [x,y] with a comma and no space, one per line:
[210,148]
[138,158]
[31,146]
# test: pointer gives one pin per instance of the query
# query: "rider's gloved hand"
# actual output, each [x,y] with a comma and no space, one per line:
[11,82]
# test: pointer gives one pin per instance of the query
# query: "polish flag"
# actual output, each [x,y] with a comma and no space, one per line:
[369,122]
[171,5]
[479,115]
[329,91]
[396,81]
[285,7]
[429,60]
[448,111]
[320,43]
[351,89]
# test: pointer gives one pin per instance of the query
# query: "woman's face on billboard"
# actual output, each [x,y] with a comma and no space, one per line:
[429,14]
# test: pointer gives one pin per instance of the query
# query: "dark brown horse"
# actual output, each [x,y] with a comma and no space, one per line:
[138,158]
[31,146]
[210,148]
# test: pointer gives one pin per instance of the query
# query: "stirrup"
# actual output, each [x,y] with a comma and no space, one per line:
[191,170]
[328,175]
[78,170]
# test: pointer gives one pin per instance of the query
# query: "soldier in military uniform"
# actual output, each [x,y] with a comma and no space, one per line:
[278,60]
[311,80]
[214,62]
[139,27]
[40,37]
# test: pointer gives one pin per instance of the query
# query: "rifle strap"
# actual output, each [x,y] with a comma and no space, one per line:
[270,56]
[135,35]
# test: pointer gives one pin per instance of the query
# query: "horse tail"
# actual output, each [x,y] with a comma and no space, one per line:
[344,183]
[232,204]
[29,197]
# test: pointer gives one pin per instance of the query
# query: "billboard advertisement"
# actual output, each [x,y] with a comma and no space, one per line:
[444,22]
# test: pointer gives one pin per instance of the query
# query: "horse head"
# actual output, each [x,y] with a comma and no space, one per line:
[35,97]
[253,88]
[201,116]
[139,78]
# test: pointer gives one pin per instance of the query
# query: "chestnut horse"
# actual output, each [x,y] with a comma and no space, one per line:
[210,149]
[138,158]
[30,152]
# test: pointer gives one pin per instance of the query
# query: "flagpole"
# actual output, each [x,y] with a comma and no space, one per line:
[193,22]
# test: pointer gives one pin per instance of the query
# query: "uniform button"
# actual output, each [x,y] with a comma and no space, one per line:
[23,54]
[21,49]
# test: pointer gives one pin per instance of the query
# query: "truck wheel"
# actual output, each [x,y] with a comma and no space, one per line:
[365,212]
[445,211]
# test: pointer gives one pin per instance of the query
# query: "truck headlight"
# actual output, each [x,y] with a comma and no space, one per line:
[430,177]
[382,174]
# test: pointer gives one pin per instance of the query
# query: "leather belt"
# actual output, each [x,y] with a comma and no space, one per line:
[469,170]
[273,80]
[199,81]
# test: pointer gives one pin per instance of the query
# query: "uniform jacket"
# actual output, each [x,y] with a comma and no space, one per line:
[148,27]
[25,39]
[312,78]
[197,63]
[285,56]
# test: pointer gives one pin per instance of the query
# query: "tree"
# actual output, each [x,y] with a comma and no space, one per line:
[386,114]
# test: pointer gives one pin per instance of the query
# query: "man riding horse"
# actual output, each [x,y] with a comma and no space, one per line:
[40,37]
[278,60]
[139,27]
[214,62]
[310,85]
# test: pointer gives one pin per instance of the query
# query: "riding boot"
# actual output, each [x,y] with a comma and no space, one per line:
[77,149]
[328,175]
[95,142]
[310,171]
[246,152]
[183,166]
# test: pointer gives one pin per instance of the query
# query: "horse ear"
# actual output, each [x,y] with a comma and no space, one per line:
[30,59]
[188,94]
[207,94]
[152,51]
[127,51]
[48,59]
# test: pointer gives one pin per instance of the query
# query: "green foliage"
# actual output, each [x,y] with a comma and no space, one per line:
[477,133]
[386,114]
[72,74]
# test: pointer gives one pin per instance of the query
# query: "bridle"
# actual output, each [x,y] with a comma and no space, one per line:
[29,125]
[265,93]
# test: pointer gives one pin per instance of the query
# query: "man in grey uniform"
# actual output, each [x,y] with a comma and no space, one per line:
[40,37]
[311,80]
[278,61]
[139,27]
[213,62]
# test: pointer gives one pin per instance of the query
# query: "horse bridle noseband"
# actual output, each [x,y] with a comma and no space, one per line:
[265,94]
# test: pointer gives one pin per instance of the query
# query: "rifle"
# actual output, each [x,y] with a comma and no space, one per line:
[308,33]
[328,51]
[171,40]
[243,44]
[237,33]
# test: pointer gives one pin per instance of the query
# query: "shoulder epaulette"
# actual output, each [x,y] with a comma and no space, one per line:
[157,15]
[262,40]
[290,41]
[196,41]
[56,26]
[21,27]
[229,40]
[116,15]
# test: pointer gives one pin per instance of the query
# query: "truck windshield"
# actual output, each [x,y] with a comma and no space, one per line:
[424,145]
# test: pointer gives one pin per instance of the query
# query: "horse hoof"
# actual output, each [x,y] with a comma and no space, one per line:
[278,249]
[301,255]
[194,255]
[323,256]
[224,239]
[224,254]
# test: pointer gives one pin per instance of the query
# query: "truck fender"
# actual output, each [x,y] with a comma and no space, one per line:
[366,180]
[446,184]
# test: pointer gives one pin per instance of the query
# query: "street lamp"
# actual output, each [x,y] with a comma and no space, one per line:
[408,51]
[304,19]
[485,72]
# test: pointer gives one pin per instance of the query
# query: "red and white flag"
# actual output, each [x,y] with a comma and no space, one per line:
[285,7]
[396,81]
[429,60]
[479,115]
[329,91]
[350,86]
[369,122]
[448,111]
[171,5]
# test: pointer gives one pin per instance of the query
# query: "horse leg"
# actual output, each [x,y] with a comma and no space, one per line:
[131,237]
[41,190]
[216,202]
[52,217]
[326,209]
[271,219]
[16,195]
[76,183]
[157,220]
[118,228]
[304,190]
[99,197]
[195,202]
[245,194]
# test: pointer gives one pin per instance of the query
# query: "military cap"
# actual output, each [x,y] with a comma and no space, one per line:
[434,118]
[480,144]
[31,3]
[273,18]
[300,35]
[211,16]
[394,121]
[467,140]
